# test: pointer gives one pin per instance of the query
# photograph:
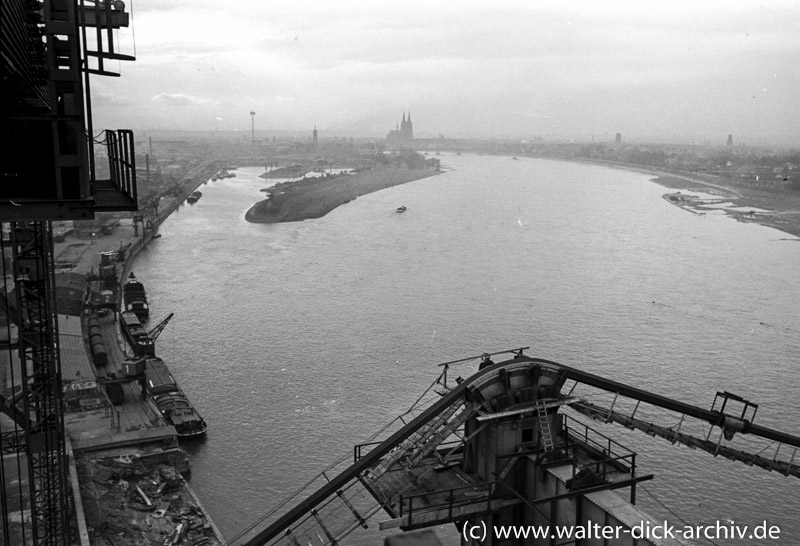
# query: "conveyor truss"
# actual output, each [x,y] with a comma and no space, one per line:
[413,470]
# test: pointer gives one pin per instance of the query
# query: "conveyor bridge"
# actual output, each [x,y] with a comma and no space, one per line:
[462,449]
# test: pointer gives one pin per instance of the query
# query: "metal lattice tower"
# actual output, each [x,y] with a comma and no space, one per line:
[40,381]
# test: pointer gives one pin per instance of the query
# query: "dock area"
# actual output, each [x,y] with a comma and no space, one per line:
[98,423]
[128,470]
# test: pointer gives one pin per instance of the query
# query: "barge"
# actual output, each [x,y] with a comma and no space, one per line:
[138,338]
[173,404]
[134,298]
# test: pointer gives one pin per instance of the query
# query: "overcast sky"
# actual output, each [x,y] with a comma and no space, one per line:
[650,70]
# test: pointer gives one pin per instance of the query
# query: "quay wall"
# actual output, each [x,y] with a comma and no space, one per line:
[137,244]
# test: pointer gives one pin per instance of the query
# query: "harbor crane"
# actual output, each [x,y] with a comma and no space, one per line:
[158,328]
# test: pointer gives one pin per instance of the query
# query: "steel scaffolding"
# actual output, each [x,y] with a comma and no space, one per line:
[48,173]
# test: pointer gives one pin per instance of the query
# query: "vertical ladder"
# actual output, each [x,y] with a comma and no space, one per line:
[544,426]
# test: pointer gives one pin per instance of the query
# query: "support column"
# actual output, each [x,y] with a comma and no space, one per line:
[41,385]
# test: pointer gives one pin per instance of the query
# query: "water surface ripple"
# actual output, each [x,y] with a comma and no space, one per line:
[296,341]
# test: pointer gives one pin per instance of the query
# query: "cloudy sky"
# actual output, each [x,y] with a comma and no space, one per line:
[674,70]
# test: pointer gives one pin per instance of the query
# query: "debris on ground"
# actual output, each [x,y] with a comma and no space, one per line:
[133,501]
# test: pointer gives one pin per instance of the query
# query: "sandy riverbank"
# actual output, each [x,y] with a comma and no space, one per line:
[765,204]
[778,209]
[308,199]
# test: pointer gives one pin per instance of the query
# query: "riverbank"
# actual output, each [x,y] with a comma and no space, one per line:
[744,201]
[775,209]
[127,468]
[314,198]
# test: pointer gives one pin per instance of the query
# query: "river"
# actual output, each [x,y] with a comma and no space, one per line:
[296,341]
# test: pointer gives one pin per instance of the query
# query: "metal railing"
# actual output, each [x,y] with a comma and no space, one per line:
[611,453]
[359,450]
[122,160]
[487,490]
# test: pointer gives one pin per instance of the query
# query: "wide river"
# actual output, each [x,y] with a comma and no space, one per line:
[297,341]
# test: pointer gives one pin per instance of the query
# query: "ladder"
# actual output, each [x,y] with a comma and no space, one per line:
[544,426]
[414,442]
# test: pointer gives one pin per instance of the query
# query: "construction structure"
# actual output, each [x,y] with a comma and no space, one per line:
[49,50]
[510,445]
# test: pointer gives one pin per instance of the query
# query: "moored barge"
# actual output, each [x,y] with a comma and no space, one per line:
[171,400]
[135,298]
[137,337]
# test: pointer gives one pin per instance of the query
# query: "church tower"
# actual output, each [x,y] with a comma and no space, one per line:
[406,128]
[403,135]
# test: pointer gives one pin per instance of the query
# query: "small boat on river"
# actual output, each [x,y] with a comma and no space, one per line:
[401,208]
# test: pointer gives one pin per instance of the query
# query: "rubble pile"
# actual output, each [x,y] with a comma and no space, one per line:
[130,502]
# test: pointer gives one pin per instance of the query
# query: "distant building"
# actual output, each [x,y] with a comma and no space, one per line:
[316,141]
[618,138]
[403,136]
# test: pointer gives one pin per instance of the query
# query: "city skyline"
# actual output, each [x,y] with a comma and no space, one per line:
[688,71]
